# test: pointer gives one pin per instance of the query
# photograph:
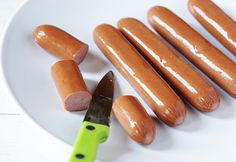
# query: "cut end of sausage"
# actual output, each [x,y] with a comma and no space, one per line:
[80,55]
[78,101]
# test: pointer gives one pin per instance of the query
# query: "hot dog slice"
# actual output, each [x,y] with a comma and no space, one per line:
[198,91]
[134,119]
[195,47]
[60,43]
[151,87]
[216,21]
[71,86]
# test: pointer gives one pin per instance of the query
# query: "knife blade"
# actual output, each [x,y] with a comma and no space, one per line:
[95,127]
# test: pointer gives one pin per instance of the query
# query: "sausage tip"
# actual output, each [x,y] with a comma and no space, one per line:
[100,28]
[152,11]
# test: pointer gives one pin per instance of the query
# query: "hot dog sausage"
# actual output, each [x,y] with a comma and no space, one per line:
[134,119]
[71,86]
[60,43]
[216,21]
[198,91]
[195,47]
[151,87]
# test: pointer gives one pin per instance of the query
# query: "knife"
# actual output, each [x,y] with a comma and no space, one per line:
[95,127]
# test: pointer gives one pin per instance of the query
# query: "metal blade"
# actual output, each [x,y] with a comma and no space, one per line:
[100,107]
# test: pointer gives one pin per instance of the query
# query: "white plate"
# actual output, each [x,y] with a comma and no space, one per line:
[26,67]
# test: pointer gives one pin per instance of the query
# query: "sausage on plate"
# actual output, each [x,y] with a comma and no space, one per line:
[71,86]
[195,47]
[60,43]
[197,90]
[141,75]
[134,119]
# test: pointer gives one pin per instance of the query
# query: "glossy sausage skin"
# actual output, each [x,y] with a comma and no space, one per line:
[71,86]
[134,119]
[151,87]
[198,91]
[195,47]
[60,43]
[216,21]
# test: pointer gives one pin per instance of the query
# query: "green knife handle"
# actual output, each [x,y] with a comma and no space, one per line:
[90,135]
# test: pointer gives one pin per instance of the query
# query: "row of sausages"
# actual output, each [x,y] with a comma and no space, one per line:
[144,59]
[150,65]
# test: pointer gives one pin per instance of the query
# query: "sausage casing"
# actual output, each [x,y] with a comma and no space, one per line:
[60,43]
[198,91]
[134,119]
[195,47]
[151,87]
[216,21]
[71,86]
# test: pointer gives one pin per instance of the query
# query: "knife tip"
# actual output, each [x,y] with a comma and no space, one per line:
[110,74]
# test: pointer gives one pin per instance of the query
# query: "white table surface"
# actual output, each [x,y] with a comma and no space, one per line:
[19,140]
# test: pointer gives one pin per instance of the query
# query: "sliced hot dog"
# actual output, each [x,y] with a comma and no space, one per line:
[71,86]
[216,21]
[195,47]
[134,119]
[198,91]
[60,43]
[151,87]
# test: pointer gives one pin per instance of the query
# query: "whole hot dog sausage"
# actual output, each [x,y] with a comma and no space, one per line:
[134,119]
[60,43]
[216,21]
[151,87]
[195,47]
[71,86]
[198,91]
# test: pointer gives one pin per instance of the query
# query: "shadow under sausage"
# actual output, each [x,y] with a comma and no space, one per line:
[163,139]
[92,63]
